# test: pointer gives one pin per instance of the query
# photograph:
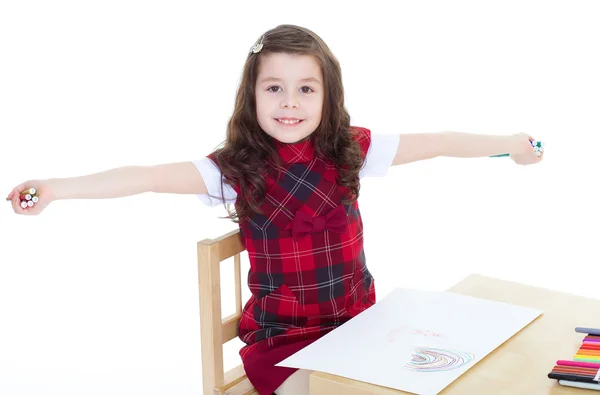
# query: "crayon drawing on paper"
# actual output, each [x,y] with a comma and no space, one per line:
[437,360]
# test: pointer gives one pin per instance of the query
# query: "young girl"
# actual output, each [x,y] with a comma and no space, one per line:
[291,165]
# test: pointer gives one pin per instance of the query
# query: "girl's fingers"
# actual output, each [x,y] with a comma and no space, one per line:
[16,191]
[17,200]
[16,204]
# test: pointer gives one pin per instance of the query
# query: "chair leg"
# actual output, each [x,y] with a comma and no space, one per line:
[209,280]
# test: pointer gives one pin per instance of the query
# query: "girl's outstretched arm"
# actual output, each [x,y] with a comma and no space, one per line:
[180,177]
[415,147]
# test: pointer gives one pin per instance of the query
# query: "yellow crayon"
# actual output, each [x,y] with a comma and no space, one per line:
[29,191]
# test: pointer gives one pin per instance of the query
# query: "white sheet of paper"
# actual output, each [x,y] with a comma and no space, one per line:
[415,341]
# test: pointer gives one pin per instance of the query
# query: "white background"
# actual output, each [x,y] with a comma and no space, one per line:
[101,296]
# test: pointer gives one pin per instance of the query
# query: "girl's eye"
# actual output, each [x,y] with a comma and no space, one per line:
[270,89]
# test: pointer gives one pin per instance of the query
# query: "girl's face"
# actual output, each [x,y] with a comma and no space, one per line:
[289,96]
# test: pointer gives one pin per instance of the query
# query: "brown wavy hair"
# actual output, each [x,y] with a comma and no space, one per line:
[247,149]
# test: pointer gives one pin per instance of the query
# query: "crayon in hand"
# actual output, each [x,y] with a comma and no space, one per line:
[537,145]
[30,191]
[28,198]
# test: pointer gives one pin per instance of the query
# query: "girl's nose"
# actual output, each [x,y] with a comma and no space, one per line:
[290,101]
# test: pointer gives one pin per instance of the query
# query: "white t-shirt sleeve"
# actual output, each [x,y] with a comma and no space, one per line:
[380,155]
[212,179]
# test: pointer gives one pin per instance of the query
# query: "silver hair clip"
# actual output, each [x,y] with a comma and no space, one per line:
[258,46]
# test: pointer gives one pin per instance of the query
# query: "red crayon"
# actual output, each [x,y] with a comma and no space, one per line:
[588,347]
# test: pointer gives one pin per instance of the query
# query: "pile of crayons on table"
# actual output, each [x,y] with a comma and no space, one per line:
[584,370]
[28,197]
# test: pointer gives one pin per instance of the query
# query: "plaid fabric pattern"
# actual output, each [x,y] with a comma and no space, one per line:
[306,286]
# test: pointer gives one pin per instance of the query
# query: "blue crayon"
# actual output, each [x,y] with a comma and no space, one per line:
[589,331]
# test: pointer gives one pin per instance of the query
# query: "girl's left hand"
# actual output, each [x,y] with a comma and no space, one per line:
[524,153]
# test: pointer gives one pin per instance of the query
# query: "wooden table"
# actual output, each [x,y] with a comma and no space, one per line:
[521,364]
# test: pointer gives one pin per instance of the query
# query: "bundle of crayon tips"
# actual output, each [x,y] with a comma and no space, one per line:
[28,197]
[538,146]
[584,370]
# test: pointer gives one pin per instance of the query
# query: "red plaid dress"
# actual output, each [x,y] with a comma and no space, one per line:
[308,273]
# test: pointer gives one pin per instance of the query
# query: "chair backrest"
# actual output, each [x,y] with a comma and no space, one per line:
[214,329]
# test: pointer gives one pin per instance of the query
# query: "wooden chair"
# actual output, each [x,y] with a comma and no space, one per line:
[215,330]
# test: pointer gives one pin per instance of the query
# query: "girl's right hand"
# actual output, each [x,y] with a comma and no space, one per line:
[43,191]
